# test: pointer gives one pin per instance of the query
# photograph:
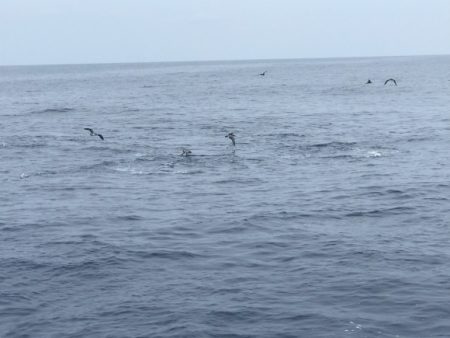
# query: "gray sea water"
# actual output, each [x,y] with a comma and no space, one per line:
[330,217]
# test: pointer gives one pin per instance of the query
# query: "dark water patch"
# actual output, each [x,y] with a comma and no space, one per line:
[12,311]
[238,315]
[269,245]
[166,255]
[22,264]
[13,298]
[288,135]
[287,139]
[238,180]
[382,212]
[396,194]
[149,158]
[29,144]
[103,164]
[232,229]
[53,110]
[91,269]
[333,145]
[343,157]
[129,218]
[109,148]
[419,139]
[441,198]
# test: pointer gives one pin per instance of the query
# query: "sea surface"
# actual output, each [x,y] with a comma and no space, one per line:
[329,218]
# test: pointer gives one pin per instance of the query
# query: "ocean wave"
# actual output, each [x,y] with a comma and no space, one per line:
[53,110]
[381,212]
[130,170]
[374,153]
[129,218]
[333,145]
[16,311]
[29,143]
[342,157]
[165,254]
[239,181]
[285,135]
[114,150]
[98,165]
[22,264]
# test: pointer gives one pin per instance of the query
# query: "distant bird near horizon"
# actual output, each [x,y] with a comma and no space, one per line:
[232,137]
[263,73]
[92,133]
[390,80]
[369,82]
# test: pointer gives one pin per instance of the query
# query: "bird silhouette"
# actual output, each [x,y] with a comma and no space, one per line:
[232,137]
[186,152]
[92,133]
[390,80]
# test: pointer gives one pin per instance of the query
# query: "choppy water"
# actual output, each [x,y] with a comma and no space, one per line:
[329,219]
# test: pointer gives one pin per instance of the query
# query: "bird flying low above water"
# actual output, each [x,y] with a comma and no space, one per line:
[369,82]
[263,73]
[186,152]
[92,133]
[390,80]
[232,137]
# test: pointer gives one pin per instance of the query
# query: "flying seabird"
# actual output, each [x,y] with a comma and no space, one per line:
[263,73]
[186,152]
[369,81]
[388,80]
[92,133]
[231,136]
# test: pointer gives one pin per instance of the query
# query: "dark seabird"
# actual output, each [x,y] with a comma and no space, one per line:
[390,80]
[231,136]
[369,81]
[92,133]
[263,73]
[186,152]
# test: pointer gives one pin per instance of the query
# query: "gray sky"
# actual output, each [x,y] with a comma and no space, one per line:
[91,31]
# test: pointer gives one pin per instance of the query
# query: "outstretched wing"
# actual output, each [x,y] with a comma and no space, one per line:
[89,130]
[393,80]
[101,136]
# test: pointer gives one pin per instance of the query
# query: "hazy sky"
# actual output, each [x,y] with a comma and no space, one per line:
[91,31]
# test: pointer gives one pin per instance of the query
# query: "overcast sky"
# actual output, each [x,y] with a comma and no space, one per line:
[92,31]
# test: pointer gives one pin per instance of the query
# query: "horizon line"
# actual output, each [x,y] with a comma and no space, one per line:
[218,60]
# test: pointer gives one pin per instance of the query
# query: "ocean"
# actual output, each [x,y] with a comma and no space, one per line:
[329,218]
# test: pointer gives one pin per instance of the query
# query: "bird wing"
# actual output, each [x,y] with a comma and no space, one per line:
[385,83]
[89,130]
[394,81]
[101,136]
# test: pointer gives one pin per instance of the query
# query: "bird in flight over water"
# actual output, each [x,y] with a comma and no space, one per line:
[369,81]
[186,152]
[92,133]
[263,73]
[390,80]
[232,137]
